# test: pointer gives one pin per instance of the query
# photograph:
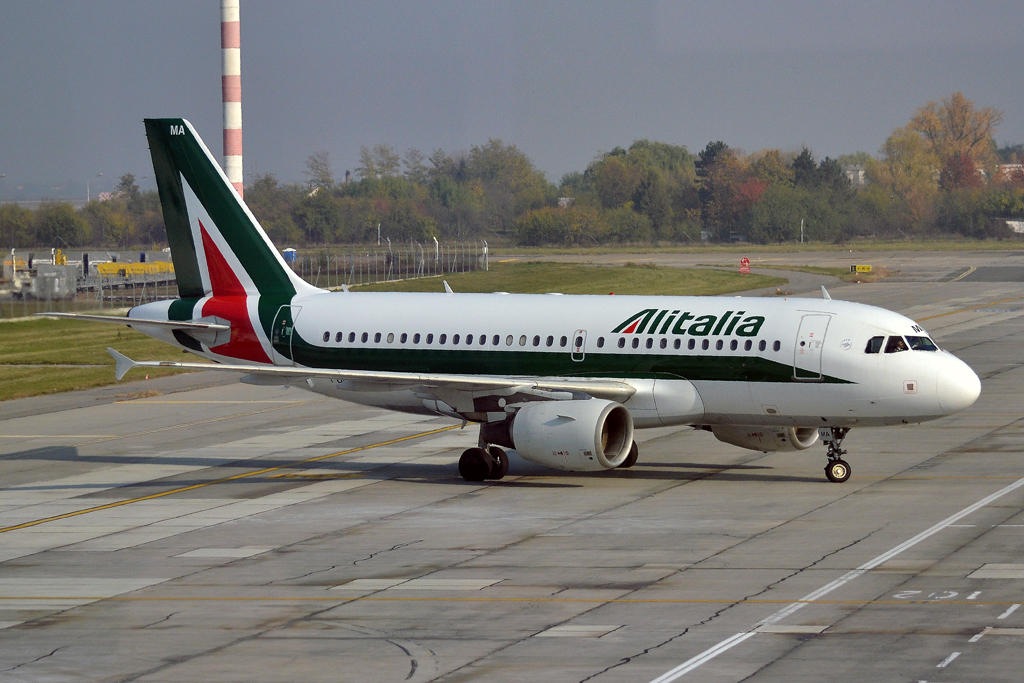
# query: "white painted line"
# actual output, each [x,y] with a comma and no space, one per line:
[961,277]
[367,585]
[998,571]
[947,661]
[8,624]
[1007,631]
[235,553]
[429,584]
[578,631]
[796,628]
[977,636]
[962,526]
[974,595]
[734,640]
[1013,608]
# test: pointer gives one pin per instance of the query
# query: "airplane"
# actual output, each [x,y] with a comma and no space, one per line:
[563,380]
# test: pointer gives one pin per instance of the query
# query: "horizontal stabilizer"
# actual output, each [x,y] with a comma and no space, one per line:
[124,363]
[173,324]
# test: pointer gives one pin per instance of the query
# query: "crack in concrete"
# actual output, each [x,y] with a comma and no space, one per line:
[37,659]
[159,621]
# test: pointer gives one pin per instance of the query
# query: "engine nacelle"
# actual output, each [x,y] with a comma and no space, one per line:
[768,438]
[586,435]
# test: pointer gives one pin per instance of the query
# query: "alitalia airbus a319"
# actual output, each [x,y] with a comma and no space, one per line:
[563,380]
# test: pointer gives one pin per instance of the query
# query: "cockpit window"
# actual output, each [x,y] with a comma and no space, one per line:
[895,345]
[874,345]
[922,344]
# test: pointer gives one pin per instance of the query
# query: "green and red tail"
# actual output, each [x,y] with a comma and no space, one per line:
[225,264]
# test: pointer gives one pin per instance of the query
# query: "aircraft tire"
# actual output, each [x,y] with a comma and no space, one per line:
[475,464]
[630,460]
[837,471]
[500,467]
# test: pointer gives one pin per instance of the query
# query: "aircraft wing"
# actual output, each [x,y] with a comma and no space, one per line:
[436,384]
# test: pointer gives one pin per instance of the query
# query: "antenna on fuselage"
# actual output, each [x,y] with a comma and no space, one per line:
[824,294]
[447,289]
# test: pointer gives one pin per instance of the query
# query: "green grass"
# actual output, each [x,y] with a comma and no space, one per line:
[567,278]
[54,347]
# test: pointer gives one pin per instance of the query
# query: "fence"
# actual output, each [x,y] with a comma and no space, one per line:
[120,285]
[352,267]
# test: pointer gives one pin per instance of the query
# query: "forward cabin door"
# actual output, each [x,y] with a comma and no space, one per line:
[579,345]
[284,326]
[809,341]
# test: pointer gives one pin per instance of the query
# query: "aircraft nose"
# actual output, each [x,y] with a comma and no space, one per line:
[958,387]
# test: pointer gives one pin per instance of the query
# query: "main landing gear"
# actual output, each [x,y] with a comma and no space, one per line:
[837,470]
[478,464]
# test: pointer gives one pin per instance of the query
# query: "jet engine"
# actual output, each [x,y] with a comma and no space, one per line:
[578,435]
[768,438]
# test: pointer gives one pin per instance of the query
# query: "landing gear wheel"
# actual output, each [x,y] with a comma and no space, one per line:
[837,471]
[500,467]
[475,464]
[630,460]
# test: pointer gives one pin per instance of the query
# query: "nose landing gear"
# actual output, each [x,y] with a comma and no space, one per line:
[837,470]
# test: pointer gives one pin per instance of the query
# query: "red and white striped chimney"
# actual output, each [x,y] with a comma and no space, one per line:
[231,86]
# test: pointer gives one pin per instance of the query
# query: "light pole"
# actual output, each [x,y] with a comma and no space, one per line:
[88,192]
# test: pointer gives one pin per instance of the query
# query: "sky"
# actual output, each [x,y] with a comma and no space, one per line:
[564,81]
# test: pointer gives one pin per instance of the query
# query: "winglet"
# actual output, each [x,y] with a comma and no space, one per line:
[124,363]
[824,294]
[447,289]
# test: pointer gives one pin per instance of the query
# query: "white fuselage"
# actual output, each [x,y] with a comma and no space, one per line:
[767,361]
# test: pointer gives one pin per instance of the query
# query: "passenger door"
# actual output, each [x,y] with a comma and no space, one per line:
[579,345]
[809,341]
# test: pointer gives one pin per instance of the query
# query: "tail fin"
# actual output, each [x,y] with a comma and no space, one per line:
[217,246]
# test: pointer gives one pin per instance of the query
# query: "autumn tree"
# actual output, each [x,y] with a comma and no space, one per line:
[318,171]
[956,126]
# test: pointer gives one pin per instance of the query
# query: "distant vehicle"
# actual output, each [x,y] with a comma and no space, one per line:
[564,380]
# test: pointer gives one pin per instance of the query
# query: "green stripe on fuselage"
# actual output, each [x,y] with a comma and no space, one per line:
[545,363]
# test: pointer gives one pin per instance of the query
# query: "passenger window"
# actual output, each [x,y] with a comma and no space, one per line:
[430,339]
[338,337]
[719,344]
[536,340]
[416,338]
[895,345]
[563,341]
[705,344]
[327,336]
[650,342]
[677,343]
[469,340]
[636,343]
[922,344]
[600,342]
[376,338]
[761,345]
[403,337]
[664,343]
[351,337]
[522,340]
[550,340]
[622,342]
[391,337]
[363,337]
[508,340]
[579,342]
[747,345]
[874,345]
[733,344]
[497,340]
[455,339]
[442,339]
[777,345]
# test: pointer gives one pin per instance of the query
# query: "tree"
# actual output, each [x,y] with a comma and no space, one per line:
[956,127]
[59,225]
[770,167]
[959,172]
[318,171]
[17,228]
[379,161]
[906,174]
[416,169]
[128,188]
[615,181]
[651,199]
